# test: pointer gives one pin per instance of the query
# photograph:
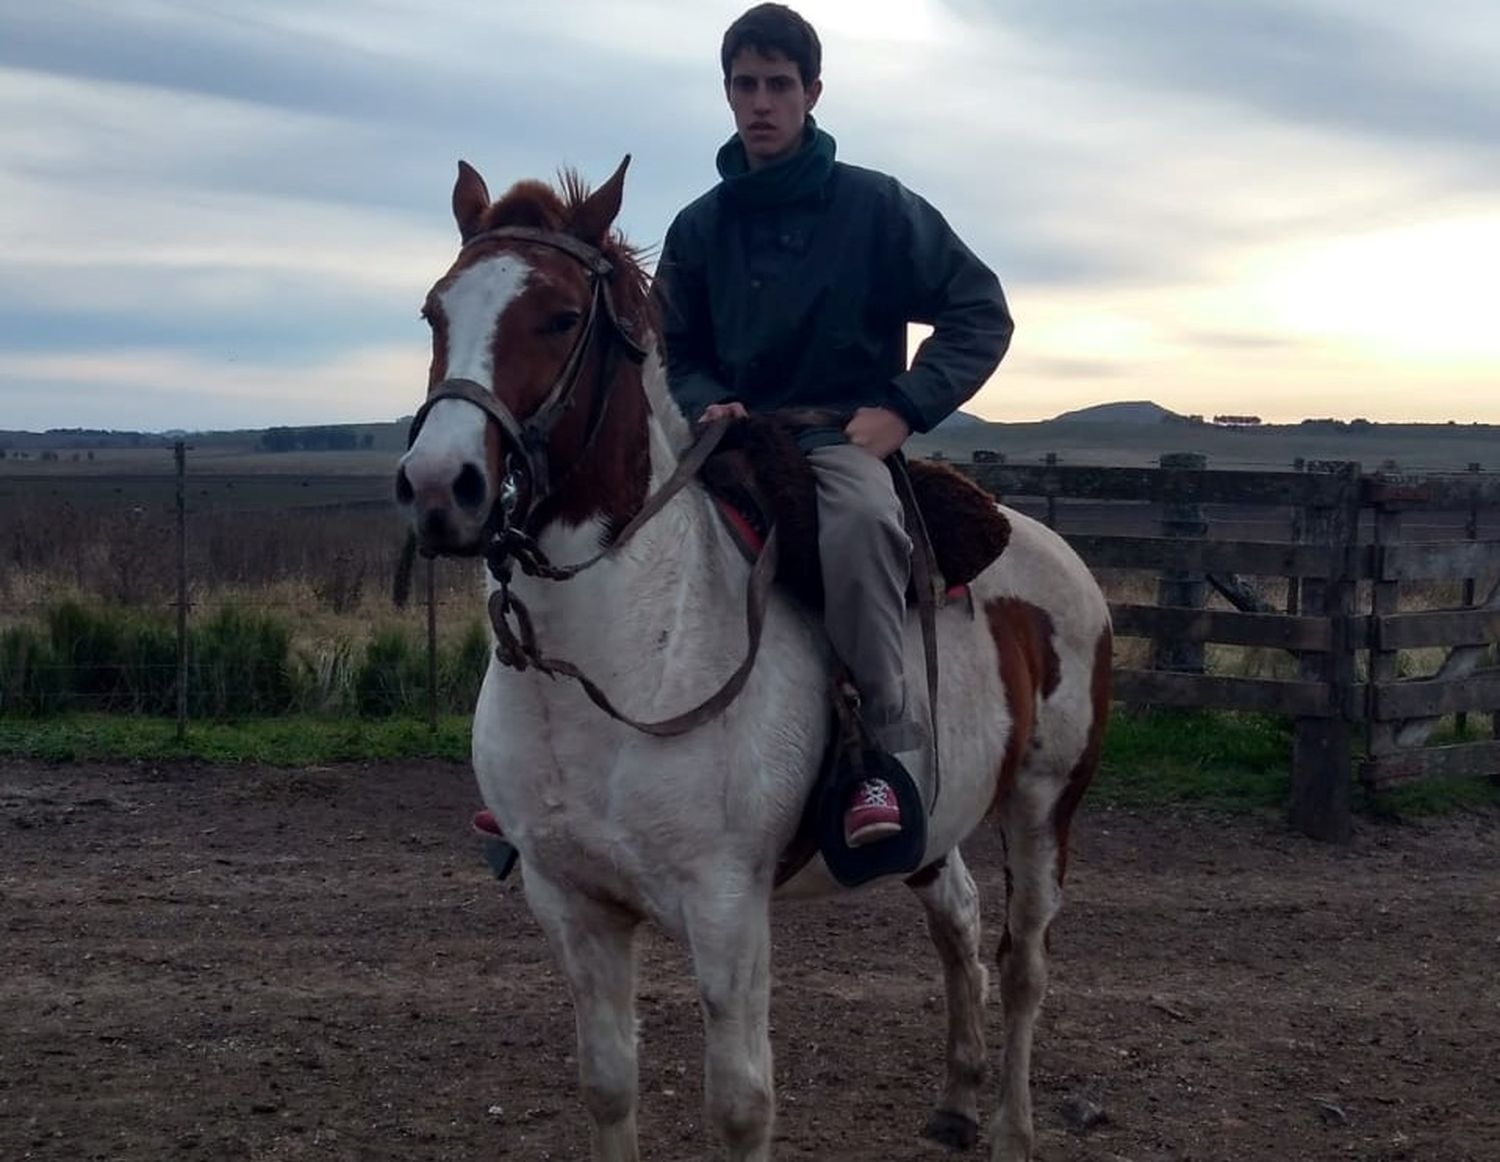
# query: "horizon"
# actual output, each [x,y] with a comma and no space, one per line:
[224,219]
[963,413]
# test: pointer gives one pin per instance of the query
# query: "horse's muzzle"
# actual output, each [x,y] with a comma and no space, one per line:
[448,516]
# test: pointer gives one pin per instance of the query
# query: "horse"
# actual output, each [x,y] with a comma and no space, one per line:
[548,435]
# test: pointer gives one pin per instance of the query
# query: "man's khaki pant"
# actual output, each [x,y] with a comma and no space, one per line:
[866,565]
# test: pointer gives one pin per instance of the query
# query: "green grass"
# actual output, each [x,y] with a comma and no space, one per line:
[291,741]
[1436,796]
[1242,762]
[1430,797]
[1217,760]
[1237,762]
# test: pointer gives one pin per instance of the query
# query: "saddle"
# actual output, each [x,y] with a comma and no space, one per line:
[761,476]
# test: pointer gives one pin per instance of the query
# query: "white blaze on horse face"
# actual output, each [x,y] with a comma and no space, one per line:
[453,434]
[473,304]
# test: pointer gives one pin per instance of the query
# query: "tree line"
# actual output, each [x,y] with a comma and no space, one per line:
[325,438]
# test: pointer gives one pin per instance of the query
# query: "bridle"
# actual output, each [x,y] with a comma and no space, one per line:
[528,439]
[511,526]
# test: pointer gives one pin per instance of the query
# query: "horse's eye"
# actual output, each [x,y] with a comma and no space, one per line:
[561,323]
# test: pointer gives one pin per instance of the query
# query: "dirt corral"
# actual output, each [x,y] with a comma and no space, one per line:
[226,963]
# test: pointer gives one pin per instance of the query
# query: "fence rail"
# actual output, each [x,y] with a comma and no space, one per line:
[1346,568]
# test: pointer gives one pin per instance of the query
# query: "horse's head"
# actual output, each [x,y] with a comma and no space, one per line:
[536,328]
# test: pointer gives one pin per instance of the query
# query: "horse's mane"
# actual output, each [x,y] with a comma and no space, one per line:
[536,204]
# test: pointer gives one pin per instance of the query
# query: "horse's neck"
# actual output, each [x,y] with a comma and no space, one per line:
[669,597]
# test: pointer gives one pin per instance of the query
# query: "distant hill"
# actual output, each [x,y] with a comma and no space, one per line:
[960,421]
[1139,411]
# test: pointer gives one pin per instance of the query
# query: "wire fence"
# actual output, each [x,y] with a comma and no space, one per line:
[149,590]
[174,586]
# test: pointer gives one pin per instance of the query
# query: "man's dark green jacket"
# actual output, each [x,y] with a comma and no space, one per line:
[792,286]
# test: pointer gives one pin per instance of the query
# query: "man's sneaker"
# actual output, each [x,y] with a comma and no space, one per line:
[873,813]
[486,825]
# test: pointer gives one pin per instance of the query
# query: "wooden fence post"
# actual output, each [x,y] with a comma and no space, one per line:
[1294,584]
[179,454]
[1385,599]
[1181,519]
[1321,753]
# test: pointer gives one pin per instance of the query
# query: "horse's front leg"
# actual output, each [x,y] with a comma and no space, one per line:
[730,938]
[595,944]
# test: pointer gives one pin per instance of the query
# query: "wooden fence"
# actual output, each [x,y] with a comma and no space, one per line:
[1342,545]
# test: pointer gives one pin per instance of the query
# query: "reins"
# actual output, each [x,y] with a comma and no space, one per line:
[513,539]
[517,648]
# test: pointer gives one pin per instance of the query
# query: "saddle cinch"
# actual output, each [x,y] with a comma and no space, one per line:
[761,479]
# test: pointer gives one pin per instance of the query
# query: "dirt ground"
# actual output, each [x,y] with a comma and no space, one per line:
[228,963]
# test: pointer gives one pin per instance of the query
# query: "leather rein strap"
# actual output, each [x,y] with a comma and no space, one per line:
[518,649]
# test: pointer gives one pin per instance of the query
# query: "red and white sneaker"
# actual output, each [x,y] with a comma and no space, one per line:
[873,813]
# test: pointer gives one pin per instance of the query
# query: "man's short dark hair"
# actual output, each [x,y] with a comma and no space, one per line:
[775,28]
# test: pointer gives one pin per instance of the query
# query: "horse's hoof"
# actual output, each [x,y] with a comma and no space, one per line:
[956,1131]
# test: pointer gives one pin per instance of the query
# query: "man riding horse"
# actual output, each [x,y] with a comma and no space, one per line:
[549,443]
[791,283]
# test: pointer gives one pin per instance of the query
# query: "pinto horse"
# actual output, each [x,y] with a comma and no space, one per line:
[548,428]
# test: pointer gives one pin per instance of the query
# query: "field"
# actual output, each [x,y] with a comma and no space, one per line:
[248,963]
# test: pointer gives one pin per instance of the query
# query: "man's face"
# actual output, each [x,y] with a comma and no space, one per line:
[770,104]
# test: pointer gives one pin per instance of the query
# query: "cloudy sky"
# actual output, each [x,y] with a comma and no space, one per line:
[223,213]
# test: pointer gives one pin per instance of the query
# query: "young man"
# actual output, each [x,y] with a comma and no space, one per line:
[791,283]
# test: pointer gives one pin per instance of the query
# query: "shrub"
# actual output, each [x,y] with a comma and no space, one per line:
[240,664]
[392,678]
[30,679]
[112,659]
[461,672]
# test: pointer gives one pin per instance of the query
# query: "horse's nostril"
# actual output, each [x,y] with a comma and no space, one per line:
[468,488]
[435,525]
[404,491]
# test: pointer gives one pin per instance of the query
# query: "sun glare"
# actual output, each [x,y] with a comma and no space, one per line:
[1421,293]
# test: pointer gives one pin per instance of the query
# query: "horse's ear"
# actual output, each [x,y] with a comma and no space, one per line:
[471,198]
[592,220]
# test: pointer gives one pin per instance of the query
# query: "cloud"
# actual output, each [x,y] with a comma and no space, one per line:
[258,189]
[161,389]
[1371,68]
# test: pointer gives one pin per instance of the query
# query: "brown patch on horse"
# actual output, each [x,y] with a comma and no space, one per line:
[1101,682]
[536,204]
[609,478]
[1029,672]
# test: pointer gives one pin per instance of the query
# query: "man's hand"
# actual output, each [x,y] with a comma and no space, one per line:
[720,411]
[879,431]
